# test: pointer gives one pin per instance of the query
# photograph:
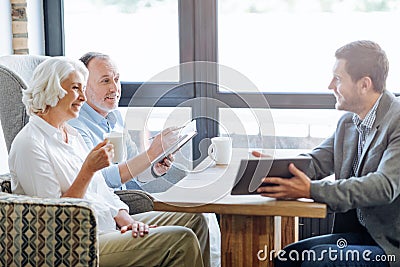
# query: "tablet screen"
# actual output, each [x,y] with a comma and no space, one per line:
[251,171]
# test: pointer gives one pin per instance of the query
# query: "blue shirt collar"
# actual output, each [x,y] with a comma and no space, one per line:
[111,117]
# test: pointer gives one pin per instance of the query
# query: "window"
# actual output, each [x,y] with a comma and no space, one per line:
[141,36]
[35,27]
[289,129]
[288,46]
[145,122]
[275,44]
[286,50]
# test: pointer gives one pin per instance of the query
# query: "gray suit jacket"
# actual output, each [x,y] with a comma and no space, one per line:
[376,190]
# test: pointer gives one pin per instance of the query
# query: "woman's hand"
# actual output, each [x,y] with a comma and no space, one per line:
[125,222]
[138,228]
[100,157]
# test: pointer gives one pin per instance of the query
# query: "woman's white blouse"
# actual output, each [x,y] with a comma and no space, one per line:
[42,164]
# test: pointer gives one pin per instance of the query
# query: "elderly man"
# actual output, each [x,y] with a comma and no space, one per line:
[99,116]
[364,154]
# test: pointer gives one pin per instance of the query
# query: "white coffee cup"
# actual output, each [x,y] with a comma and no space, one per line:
[220,150]
[117,139]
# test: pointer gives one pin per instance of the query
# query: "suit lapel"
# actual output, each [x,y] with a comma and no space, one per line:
[367,145]
[384,105]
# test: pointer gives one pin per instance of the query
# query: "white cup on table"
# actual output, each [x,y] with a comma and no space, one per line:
[220,150]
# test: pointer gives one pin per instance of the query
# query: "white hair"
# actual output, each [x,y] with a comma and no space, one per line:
[45,88]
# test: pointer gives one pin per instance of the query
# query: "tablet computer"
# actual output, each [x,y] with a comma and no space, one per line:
[182,140]
[251,172]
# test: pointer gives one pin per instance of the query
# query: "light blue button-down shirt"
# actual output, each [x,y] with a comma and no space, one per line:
[92,126]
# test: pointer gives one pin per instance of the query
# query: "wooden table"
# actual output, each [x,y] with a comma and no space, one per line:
[251,226]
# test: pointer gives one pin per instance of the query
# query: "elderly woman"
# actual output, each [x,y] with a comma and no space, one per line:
[48,158]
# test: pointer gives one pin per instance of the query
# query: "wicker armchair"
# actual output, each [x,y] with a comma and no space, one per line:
[46,232]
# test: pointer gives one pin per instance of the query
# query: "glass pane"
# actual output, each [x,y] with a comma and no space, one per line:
[141,36]
[288,46]
[145,122]
[35,27]
[288,129]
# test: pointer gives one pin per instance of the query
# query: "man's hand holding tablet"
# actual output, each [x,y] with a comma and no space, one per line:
[167,143]
[270,177]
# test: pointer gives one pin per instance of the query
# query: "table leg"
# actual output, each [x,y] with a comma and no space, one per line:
[289,230]
[246,240]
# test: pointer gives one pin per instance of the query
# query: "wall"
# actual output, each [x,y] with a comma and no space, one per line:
[19,21]
[23,31]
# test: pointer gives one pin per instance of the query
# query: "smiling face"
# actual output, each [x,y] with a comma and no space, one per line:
[103,87]
[69,106]
[346,91]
